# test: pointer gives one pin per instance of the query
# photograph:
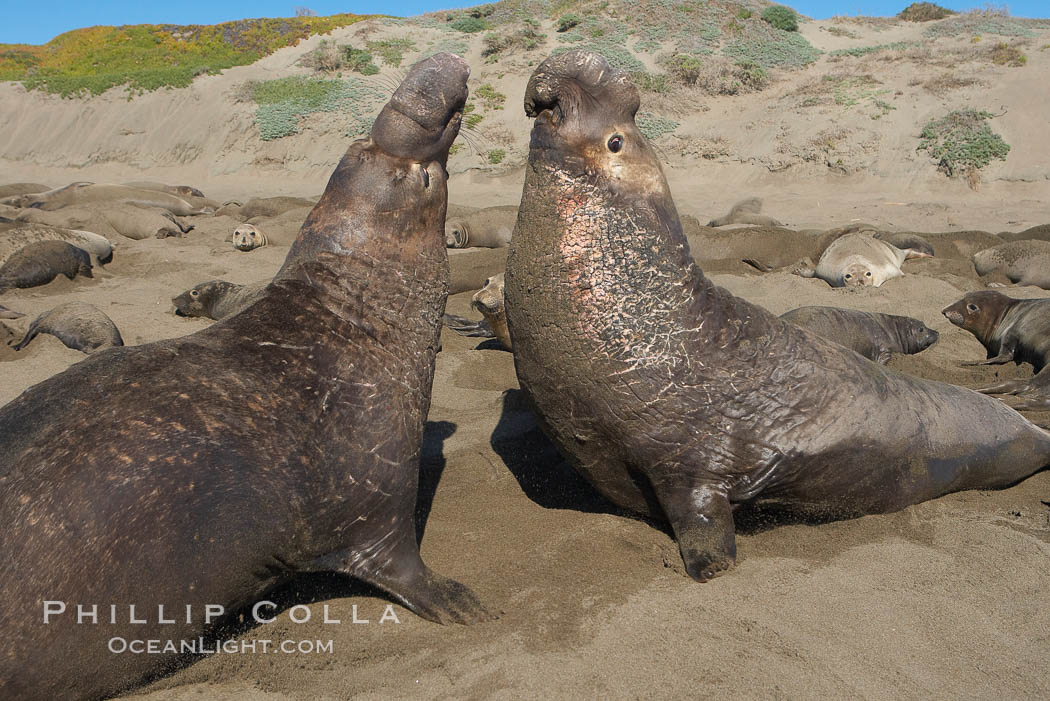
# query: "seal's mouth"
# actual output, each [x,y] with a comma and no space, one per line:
[953,316]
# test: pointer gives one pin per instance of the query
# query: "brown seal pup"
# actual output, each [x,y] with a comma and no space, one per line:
[80,326]
[745,212]
[678,400]
[247,238]
[873,335]
[41,262]
[1023,262]
[202,470]
[1010,329]
[490,227]
[489,301]
[217,299]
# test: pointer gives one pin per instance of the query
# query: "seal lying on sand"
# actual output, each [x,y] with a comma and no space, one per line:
[247,238]
[1023,262]
[1010,329]
[678,400]
[89,193]
[489,301]
[202,470]
[217,299]
[41,262]
[873,335]
[1040,232]
[859,260]
[745,212]
[177,190]
[80,326]
[15,236]
[490,227]
[111,218]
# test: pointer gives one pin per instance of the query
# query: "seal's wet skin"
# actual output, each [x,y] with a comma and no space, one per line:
[205,469]
[678,400]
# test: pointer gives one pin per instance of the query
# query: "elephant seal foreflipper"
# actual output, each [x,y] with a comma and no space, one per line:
[873,335]
[1023,262]
[678,400]
[490,227]
[41,262]
[217,299]
[1010,329]
[747,211]
[204,469]
[80,326]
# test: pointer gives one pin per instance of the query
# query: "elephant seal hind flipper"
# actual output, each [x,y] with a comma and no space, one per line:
[80,326]
[678,400]
[469,327]
[6,313]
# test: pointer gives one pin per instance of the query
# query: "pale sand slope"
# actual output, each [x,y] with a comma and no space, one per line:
[947,598]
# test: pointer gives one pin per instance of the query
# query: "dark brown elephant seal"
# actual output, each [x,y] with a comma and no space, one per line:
[1023,262]
[746,211]
[217,299]
[205,469]
[80,326]
[41,262]
[678,400]
[873,335]
[1016,330]
[490,227]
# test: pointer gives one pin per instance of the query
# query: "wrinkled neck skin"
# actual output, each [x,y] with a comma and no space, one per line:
[371,254]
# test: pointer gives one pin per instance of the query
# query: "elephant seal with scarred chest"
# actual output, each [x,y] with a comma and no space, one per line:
[205,469]
[679,401]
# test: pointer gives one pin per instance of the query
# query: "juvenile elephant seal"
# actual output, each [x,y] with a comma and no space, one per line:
[16,236]
[745,212]
[678,400]
[490,227]
[217,299]
[1010,329]
[202,470]
[1023,262]
[873,335]
[247,238]
[859,260]
[489,301]
[80,326]
[269,207]
[41,262]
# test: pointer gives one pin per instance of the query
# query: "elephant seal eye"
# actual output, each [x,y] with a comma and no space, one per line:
[971,307]
[426,178]
[616,143]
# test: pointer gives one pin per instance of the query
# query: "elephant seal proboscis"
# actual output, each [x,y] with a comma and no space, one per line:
[80,326]
[200,471]
[873,335]
[1023,262]
[490,227]
[747,211]
[247,238]
[41,262]
[678,400]
[489,301]
[217,299]
[1016,330]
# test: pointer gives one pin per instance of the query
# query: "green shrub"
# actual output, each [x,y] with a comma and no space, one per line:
[654,126]
[392,51]
[744,13]
[359,60]
[567,22]
[786,49]
[651,82]
[492,98]
[781,17]
[283,101]
[1002,54]
[924,12]
[496,155]
[685,69]
[961,142]
[468,25]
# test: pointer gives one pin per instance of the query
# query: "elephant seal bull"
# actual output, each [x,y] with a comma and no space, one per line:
[679,401]
[200,471]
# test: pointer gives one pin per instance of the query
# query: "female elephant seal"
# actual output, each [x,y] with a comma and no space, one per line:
[247,238]
[1023,262]
[41,262]
[677,399]
[202,470]
[873,335]
[860,260]
[489,301]
[490,227]
[1010,329]
[80,326]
